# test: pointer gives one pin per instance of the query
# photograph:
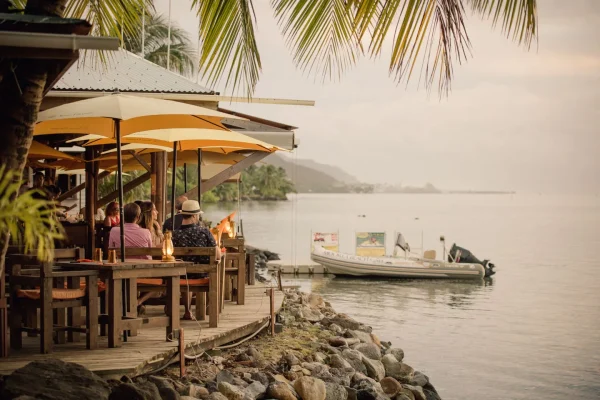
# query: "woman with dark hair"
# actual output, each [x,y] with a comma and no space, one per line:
[149,220]
[112,214]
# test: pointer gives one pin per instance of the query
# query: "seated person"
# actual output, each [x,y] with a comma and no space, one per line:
[135,236]
[190,234]
[112,214]
[168,225]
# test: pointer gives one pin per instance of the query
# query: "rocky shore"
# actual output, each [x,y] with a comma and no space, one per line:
[262,256]
[319,355]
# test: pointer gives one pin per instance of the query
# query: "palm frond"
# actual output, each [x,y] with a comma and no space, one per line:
[519,17]
[228,43]
[27,219]
[321,34]
[181,58]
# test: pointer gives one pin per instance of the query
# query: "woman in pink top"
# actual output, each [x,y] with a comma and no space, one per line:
[112,214]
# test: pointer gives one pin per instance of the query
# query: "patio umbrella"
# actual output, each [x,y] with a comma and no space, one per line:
[39,151]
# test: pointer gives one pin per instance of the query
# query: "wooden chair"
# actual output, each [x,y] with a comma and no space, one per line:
[35,285]
[235,270]
[201,287]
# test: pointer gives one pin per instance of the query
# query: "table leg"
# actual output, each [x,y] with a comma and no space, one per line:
[132,303]
[74,313]
[173,296]
[214,299]
[46,315]
[115,312]
[91,315]
[241,280]
[60,315]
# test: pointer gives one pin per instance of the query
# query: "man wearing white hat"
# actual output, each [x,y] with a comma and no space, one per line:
[191,234]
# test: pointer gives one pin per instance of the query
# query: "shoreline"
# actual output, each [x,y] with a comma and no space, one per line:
[318,355]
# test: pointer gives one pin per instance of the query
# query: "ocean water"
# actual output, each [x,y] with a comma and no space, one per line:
[530,332]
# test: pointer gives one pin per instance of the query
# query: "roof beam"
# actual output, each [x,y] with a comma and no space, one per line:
[185,97]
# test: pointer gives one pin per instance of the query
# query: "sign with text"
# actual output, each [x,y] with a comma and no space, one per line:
[371,244]
[329,241]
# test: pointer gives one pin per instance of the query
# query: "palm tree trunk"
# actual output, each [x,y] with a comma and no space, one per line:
[22,83]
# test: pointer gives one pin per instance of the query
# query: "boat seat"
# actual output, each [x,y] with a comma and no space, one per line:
[429,254]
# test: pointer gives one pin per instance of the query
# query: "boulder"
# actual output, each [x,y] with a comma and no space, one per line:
[401,372]
[54,379]
[335,392]
[335,328]
[375,368]
[337,361]
[360,335]
[212,387]
[216,396]
[357,378]
[310,388]
[431,395]
[345,321]
[351,393]
[352,341]
[369,394]
[255,390]
[260,377]
[253,353]
[397,353]
[225,376]
[355,359]
[390,386]
[405,396]
[342,376]
[198,392]
[329,349]
[281,391]
[370,350]
[337,341]
[139,391]
[315,300]
[310,314]
[230,391]
[417,391]
[419,379]
[290,359]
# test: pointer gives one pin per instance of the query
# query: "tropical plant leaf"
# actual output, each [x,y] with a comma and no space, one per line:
[27,219]
[321,33]
[228,43]
[519,17]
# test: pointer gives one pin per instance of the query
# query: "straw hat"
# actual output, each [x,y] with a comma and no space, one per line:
[191,207]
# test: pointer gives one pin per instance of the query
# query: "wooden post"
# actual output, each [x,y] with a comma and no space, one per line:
[272,301]
[181,354]
[91,186]
[251,268]
[46,308]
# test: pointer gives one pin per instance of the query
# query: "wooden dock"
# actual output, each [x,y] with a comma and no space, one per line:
[149,350]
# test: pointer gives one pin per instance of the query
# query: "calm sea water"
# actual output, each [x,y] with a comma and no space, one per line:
[531,332]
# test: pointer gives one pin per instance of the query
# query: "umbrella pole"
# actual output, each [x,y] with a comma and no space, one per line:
[184,178]
[173,179]
[121,220]
[200,177]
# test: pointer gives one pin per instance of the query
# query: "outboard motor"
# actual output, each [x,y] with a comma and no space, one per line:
[463,256]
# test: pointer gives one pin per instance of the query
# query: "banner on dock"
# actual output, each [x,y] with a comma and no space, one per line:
[329,241]
[370,244]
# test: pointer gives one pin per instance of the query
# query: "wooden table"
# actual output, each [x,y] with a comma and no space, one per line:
[114,274]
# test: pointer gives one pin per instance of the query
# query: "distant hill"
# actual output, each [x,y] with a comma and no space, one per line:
[315,177]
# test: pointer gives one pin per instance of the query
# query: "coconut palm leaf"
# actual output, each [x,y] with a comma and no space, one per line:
[28,220]
[228,43]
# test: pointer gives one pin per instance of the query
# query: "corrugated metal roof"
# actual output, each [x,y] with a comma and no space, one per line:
[126,72]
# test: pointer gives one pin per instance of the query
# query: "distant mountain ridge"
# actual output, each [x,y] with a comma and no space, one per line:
[315,177]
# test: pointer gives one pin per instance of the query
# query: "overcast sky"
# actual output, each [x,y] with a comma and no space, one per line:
[515,120]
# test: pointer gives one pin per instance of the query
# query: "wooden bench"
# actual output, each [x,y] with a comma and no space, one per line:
[37,285]
[235,270]
[201,287]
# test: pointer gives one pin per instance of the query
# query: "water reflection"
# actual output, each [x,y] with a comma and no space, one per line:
[396,294]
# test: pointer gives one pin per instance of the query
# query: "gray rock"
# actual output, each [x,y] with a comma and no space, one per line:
[419,379]
[355,359]
[225,376]
[216,396]
[253,353]
[360,335]
[290,359]
[417,391]
[370,350]
[187,398]
[390,386]
[405,396]
[335,392]
[281,391]
[342,376]
[337,342]
[319,357]
[314,366]
[431,395]
[375,368]
[256,390]
[351,393]
[345,321]
[311,314]
[352,341]
[310,388]
[315,300]
[401,372]
[54,379]
[357,378]
[261,377]
[369,394]
[212,387]
[398,353]
[139,391]
[364,328]
[335,328]
[337,361]
[198,392]
[230,391]
[329,349]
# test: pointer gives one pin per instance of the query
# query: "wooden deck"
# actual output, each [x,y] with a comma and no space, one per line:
[149,350]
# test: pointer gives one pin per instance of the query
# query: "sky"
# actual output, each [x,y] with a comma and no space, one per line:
[515,119]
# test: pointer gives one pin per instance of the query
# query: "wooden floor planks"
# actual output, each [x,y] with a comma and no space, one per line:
[149,349]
